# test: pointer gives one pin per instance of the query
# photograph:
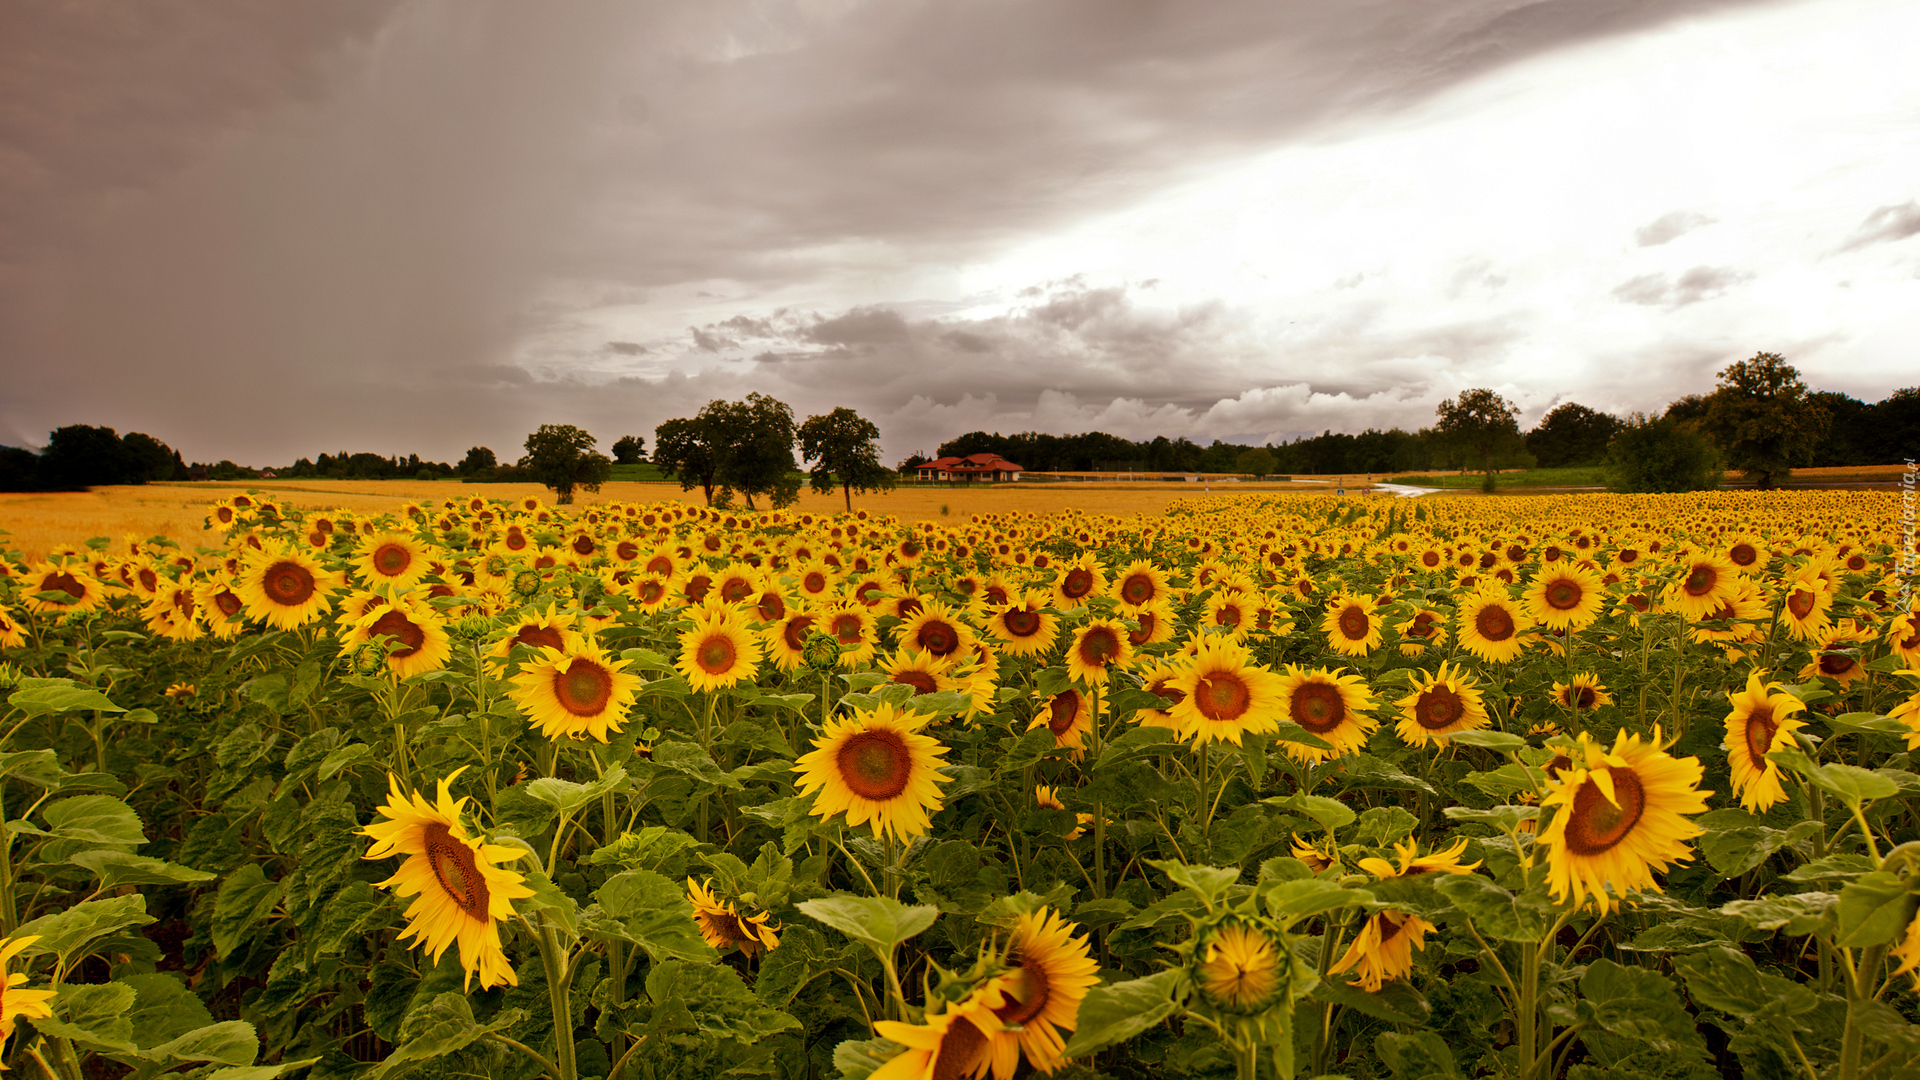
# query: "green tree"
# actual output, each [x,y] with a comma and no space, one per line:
[629,450]
[844,448]
[478,462]
[1661,454]
[1480,422]
[1259,461]
[80,456]
[755,443]
[683,450]
[562,457]
[1572,434]
[1764,419]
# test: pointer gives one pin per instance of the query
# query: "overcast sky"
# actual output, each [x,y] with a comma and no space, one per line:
[263,231]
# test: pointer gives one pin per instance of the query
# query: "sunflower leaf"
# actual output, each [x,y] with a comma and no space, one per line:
[1873,909]
[116,868]
[64,932]
[1503,741]
[1208,881]
[53,696]
[879,923]
[567,796]
[1395,1002]
[1113,1014]
[1330,814]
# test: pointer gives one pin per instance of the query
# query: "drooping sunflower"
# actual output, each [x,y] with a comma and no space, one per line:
[576,692]
[1440,705]
[173,613]
[84,592]
[952,1044]
[1153,624]
[1564,596]
[1079,581]
[1139,585]
[1158,679]
[1041,995]
[1224,695]
[1618,818]
[720,651]
[1319,857]
[876,766]
[1330,705]
[1761,722]
[1383,949]
[391,558]
[1903,636]
[419,640]
[1023,624]
[11,635]
[285,589]
[1491,626]
[1097,648]
[1352,624]
[1069,716]
[724,927]
[785,642]
[461,891]
[1704,583]
[1240,968]
[1582,692]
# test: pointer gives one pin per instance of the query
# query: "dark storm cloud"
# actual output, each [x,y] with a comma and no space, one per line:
[1886,224]
[1691,287]
[1670,226]
[255,229]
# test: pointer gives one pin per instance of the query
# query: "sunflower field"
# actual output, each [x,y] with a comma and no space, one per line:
[1288,786]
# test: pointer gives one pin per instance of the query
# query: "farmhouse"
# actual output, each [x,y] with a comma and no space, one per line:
[969,468]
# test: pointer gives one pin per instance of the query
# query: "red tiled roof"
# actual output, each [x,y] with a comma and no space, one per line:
[973,463]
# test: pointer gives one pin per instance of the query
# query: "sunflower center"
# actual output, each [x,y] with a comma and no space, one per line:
[716,655]
[1438,708]
[1318,707]
[227,602]
[539,637]
[876,765]
[391,560]
[1029,997]
[1137,589]
[659,564]
[1700,581]
[652,591]
[396,625]
[1563,595]
[847,629]
[63,582]
[1743,554]
[1222,696]
[288,584]
[584,689]
[1148,621]
[772,607]
[795,633]
[1172,695]
[1099,647]
[1596,825]
[814,582]
[962,1050]
[1062,711]
[921,681]
[583,546]
[996,595]
[736,590]
[1760,728]
[698,586]
[1422,626]
[1494,623]
[1353,622]
[1835,664]
[1800,603]
[455,868]
[1227,616]
[1022,623]
[149,580]
[937,637]
[1077,583]
[1583,697]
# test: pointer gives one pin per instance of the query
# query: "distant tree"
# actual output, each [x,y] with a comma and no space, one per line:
[1895,429]
[1259,461]
[1850,430]
[19,469]
[81,456]
[914,461]
[1661,454]
[754,439]
[1764,419]
[1691,408]
[562,457]
[629,450]
[1572,434]
[844,448]
[683,449]
[147,458]
[479,462]
[1482,423]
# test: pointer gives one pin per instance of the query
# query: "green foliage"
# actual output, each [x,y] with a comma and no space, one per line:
[1661,454]
[1765,419]
[562,457]
[844,447]
[733,446]
[1483,423]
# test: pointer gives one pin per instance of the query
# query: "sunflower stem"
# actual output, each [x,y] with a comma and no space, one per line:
[553,958]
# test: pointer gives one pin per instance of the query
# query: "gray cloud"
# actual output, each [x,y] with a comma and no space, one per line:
[1886,224]
[1670,226]
[1691,287]
[626,348]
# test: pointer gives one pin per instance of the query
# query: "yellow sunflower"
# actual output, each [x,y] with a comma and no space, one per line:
[1582,692]
[1041,995]
[461,891]
[576,692]
[1097,647]
[1319,857]
[1383,949]
[1427,629]
[1491,626]
[285,589]
[1044,797]
[935,629]
[1829,661]
[11,635]
[391,558]
[1224,695]
[16,1002]
[1240,969]
[1079,581]
[852,626]
[418,639]
[1903,635]
[1618,818]
[1705,582]
[84,592]
[1069,715]
[1232,611]
[1761,722]
[1139,585]
[549,629]
[1330,705]
[1351,624]
[1441,704]
[950,1045]
[877,766]
[1153,624]
[785,642]
[1564,596]
[1158,680]
[925,672]
[719,651]
[221,607]
[1023,625]
[724,927]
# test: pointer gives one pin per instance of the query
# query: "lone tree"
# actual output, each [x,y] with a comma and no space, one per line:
[1661,454]
[744,446]
[844,448]
[1764,419]
[562,457]
[629,450]
[1259,461]
[1482,422]
[1572,434]
[478,462]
